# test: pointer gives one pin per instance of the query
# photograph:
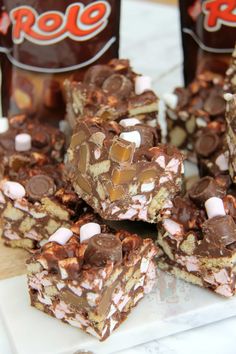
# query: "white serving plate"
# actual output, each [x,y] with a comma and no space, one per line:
[173,307]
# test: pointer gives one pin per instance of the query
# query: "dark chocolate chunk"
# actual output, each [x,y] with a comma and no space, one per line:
[185,213]
[97,74]
[219,231]
[103,248]
[119,85]
[215,105]
[207,144]
[40,139]
[40,186]
[205,189]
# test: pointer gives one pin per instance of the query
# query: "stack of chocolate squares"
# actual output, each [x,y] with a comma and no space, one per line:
[116,168]
[34,199]
[89,275]
[197,233]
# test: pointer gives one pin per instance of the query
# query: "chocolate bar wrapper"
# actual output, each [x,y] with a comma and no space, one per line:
[44,43]
[122,172]
[231,133]
[35,207]
[110,92]
[92,284]
[208,35]
[189,110]
[200,247]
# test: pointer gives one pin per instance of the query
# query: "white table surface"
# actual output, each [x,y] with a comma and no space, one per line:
[152,42]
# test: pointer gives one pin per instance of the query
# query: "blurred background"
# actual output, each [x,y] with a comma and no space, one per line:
[172,2]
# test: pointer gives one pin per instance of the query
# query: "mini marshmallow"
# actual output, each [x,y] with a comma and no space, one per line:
[142,84]
[4,125]
[214,207]
[222,162]
[13,190]
[22,142]
[132,137]
[89,230]
[61,236]
[228,97]
[171,100]
[129,122]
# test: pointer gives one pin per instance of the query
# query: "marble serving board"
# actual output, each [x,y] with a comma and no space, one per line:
[154,48]
[173,306]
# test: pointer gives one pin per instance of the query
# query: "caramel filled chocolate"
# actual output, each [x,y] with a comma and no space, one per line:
[204,189]
[103,248]
[207,144]
[40,186]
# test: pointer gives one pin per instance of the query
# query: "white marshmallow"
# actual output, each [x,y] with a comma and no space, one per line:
[129,122]
[214,207]
[222,162]
[13,190]
[64,126]
[171,100]
[228,97]
[61,236]
[142,84]
[4,125]
[23,142]
[133,137]
[89,230]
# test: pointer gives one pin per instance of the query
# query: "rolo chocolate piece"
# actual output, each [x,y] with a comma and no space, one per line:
[205,189]
[40,186]
[215,105]
[207,144]
[97,74]
[220,230]
[103,248]
[119,85]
